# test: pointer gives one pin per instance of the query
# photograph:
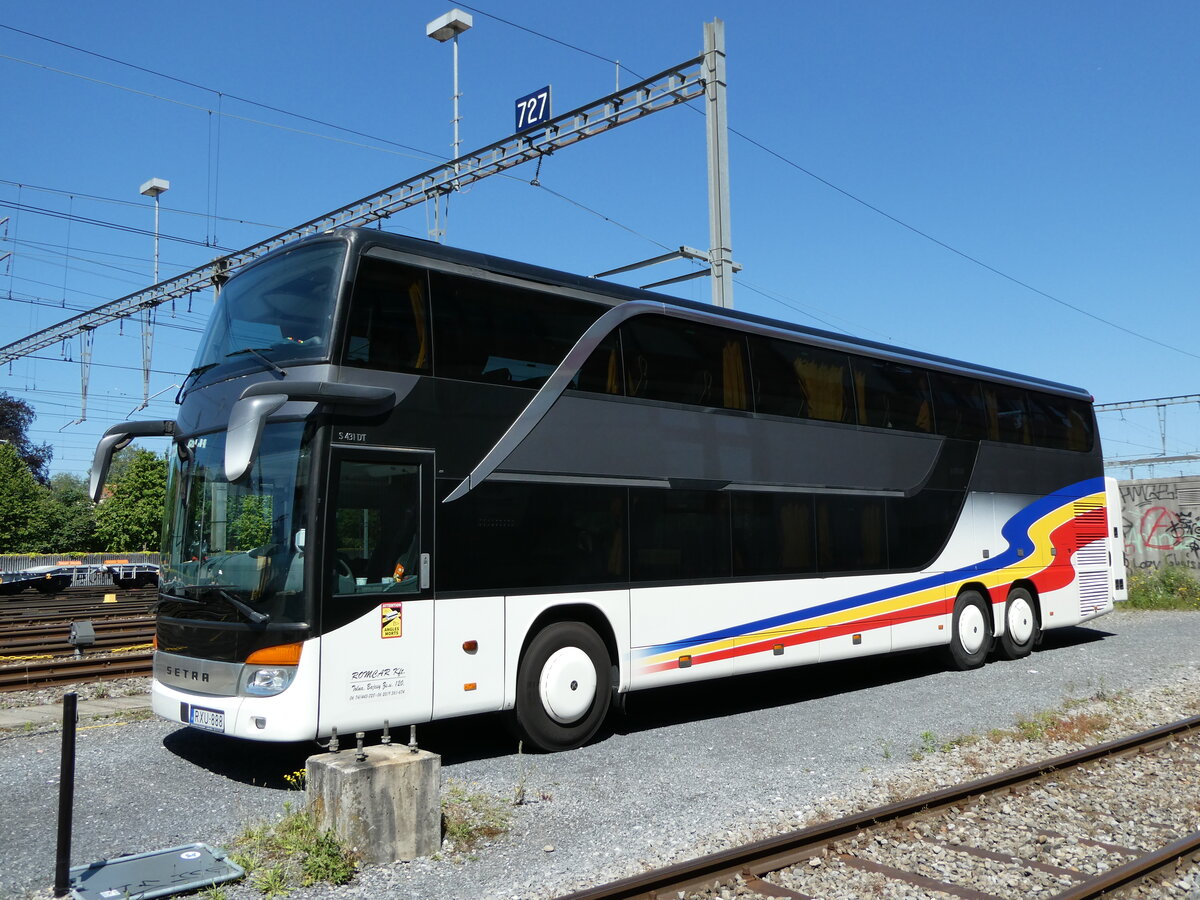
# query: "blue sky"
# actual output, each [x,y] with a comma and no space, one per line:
[1018,150]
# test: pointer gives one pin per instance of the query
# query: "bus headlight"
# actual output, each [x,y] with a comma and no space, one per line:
[266,682]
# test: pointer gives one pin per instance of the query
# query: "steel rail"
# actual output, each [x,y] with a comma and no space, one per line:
[1136,870]
[771,854]
[69,670]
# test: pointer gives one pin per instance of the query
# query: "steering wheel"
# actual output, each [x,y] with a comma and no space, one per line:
[342,566]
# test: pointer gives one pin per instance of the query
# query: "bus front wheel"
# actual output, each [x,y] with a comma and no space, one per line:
[562,687]
[1021,629]
[970,632]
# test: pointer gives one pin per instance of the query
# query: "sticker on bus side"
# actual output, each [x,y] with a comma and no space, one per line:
[391,620]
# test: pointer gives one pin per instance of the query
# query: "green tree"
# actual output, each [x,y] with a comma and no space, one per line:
[132,517]
[72,515]
[15,418]
[24,521]
[250,526]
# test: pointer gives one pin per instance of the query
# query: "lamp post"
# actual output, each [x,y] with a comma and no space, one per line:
[153,188]
[445,28]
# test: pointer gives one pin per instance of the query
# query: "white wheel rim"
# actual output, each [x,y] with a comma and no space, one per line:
[1020,620]
[971,629]
[568,684]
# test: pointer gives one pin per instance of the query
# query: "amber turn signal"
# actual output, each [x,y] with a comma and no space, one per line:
[279,655]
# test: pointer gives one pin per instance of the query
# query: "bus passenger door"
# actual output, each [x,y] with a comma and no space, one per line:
[376,604]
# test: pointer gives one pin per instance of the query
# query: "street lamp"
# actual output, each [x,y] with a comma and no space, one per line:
[153,188]
[445,28]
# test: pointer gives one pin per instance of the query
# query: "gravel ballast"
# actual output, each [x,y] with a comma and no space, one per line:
[686,771]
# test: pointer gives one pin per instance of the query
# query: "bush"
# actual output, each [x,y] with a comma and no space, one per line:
[1171,587]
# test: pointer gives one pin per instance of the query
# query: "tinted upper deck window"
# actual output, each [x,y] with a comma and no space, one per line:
[502,334]
[388,326]
[793,379]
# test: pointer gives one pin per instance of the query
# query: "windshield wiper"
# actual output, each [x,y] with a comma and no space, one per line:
[195,373]
[163,595]
[258,618]
[258,351]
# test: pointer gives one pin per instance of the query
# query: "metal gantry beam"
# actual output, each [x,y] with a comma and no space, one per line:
[1144,404]
[1159,404]
[678,84]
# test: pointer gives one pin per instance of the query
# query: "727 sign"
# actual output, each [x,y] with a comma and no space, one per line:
[533,109]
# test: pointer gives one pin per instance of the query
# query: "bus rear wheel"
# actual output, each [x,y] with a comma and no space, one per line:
[970,632]
[562,687]
[1021,629]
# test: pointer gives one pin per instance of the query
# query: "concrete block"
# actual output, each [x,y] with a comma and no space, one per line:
[387,807]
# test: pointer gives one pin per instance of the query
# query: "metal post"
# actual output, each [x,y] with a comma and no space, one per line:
[66,798]
[720,243]
[156,238]
[456,96]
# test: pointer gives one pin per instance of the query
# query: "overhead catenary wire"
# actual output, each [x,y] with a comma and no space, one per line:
[865,203]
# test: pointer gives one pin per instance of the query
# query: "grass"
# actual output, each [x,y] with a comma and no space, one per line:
[1171,587]
[470,816]
[1054,725]
[928,743]
[292,852]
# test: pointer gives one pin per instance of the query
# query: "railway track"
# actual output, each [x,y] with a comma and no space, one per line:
[52,639]
[66,670]
[983,840]
[35,651]
[72,605]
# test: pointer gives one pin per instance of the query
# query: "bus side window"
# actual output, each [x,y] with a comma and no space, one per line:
[851,534]
[502,334]
[773,534]
[602,373]
[679,534]
[680,362]
[1008,418]
[891,395]
[799,381]
[378,529]
[959,409]
[388,325]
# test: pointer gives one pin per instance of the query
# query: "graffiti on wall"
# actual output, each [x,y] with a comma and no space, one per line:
[1161,523]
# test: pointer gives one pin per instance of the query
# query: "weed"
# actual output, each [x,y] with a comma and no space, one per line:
[214,892]
[1055,726]
[291,851]
[1078,728]
[471,816]
[522,775]
[272,882]
[1171,587]
[929,743]
[297,780]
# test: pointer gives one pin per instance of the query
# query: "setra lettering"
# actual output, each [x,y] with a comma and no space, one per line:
[183,674]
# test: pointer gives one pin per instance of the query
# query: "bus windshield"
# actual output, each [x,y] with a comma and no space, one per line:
[281,309]
[236,551]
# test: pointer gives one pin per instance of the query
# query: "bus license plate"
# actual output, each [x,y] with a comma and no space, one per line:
[208,719]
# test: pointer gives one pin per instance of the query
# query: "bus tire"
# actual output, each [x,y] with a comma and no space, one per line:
[970,631]
[563,689]
[1021,628]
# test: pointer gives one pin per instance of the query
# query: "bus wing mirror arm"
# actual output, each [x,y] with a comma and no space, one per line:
[249,414]
[246,422]
[118,438]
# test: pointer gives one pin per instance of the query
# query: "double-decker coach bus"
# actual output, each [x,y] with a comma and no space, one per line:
[410,482]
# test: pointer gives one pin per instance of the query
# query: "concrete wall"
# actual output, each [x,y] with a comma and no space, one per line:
[1161,523]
